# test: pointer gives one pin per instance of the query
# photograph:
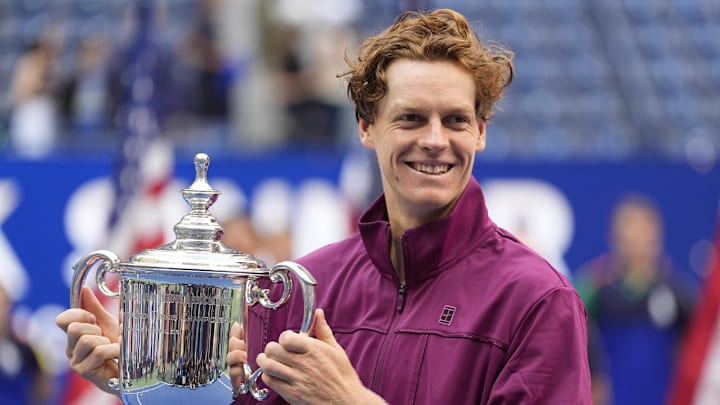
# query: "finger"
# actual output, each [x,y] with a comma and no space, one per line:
[237,331]
[90,346]
[279,352]
[65,318]
[103,356]
[92,304]
[236,358]
[237,378]
[75,331]
[294,342]
[322,329]
[276,384]
[237,344]
[275,369]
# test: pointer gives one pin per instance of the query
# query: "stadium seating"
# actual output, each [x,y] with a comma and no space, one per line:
[594,80]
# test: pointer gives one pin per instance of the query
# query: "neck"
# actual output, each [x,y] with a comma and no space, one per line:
[396,255]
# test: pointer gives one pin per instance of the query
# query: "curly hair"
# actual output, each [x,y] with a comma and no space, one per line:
[441,34]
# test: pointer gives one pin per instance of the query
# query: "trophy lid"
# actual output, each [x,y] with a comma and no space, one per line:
[198,245]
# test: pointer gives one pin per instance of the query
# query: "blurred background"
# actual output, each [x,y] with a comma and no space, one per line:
[103,104]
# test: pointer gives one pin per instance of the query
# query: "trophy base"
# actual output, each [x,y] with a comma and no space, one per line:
[218,392]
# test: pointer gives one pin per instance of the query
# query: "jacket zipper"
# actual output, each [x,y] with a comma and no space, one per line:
[400,305]
[402,292]
[402,289]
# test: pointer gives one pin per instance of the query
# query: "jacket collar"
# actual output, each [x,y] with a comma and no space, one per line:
[431,247]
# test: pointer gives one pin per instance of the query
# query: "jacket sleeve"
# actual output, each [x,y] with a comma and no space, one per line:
[547,360]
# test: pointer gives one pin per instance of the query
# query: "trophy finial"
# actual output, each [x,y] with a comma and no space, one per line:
[202,162]
[199,227]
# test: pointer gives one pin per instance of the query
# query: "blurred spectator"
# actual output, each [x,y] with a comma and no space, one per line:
[208,74]
[22,380]
[283,222]
[640,304]
[202,78]
[240,235]
[33,116]
[89,97]
[305,47]
[272,208]
[259,226]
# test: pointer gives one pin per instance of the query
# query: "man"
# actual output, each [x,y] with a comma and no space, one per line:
[430,302]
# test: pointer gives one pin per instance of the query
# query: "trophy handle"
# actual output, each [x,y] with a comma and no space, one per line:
[280,273]
[110,261]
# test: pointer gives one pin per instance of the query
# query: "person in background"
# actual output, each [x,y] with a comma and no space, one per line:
[22,379]
[89,97]
[210,76]
[430,302]
[33,126]
[639,303]
[304,54]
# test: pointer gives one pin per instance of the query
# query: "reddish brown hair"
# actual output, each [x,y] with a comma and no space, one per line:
[436,35]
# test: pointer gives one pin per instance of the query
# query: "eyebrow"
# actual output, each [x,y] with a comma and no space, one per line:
[405,107]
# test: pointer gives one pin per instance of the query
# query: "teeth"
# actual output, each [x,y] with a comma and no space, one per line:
[439,169]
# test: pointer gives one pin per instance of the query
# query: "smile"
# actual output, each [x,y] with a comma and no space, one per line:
[430,169]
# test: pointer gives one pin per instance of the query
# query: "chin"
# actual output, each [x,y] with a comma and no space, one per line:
[433,203]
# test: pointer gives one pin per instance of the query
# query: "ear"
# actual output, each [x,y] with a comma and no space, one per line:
[365,137]
[480,143]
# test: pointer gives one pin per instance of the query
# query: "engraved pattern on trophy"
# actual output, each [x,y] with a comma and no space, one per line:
[179,301]
[177,334]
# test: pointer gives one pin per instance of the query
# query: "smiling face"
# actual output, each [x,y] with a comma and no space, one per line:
[426,133]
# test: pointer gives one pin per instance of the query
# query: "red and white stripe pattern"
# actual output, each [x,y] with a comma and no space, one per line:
[697,380]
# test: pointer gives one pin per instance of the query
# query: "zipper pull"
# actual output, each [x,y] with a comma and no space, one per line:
[402,291]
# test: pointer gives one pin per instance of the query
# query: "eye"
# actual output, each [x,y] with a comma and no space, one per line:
[456,120]
[410,117]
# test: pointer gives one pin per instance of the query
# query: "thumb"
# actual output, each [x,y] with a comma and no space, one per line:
[322,329]
[106,321]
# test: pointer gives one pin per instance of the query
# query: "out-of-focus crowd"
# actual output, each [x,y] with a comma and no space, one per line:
[239,75]
[593,80]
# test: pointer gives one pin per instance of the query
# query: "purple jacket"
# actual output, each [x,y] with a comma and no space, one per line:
[483,319]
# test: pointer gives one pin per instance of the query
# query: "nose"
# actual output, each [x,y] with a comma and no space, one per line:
[435,137]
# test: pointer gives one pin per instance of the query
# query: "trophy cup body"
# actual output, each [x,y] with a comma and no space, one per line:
[178,303]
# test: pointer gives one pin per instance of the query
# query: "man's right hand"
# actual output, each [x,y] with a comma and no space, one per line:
[92,340]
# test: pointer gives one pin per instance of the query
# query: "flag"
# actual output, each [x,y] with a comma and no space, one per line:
[142,171]
[140,226]
[697,377]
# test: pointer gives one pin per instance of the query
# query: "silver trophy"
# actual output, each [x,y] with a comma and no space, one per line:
[179,301]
